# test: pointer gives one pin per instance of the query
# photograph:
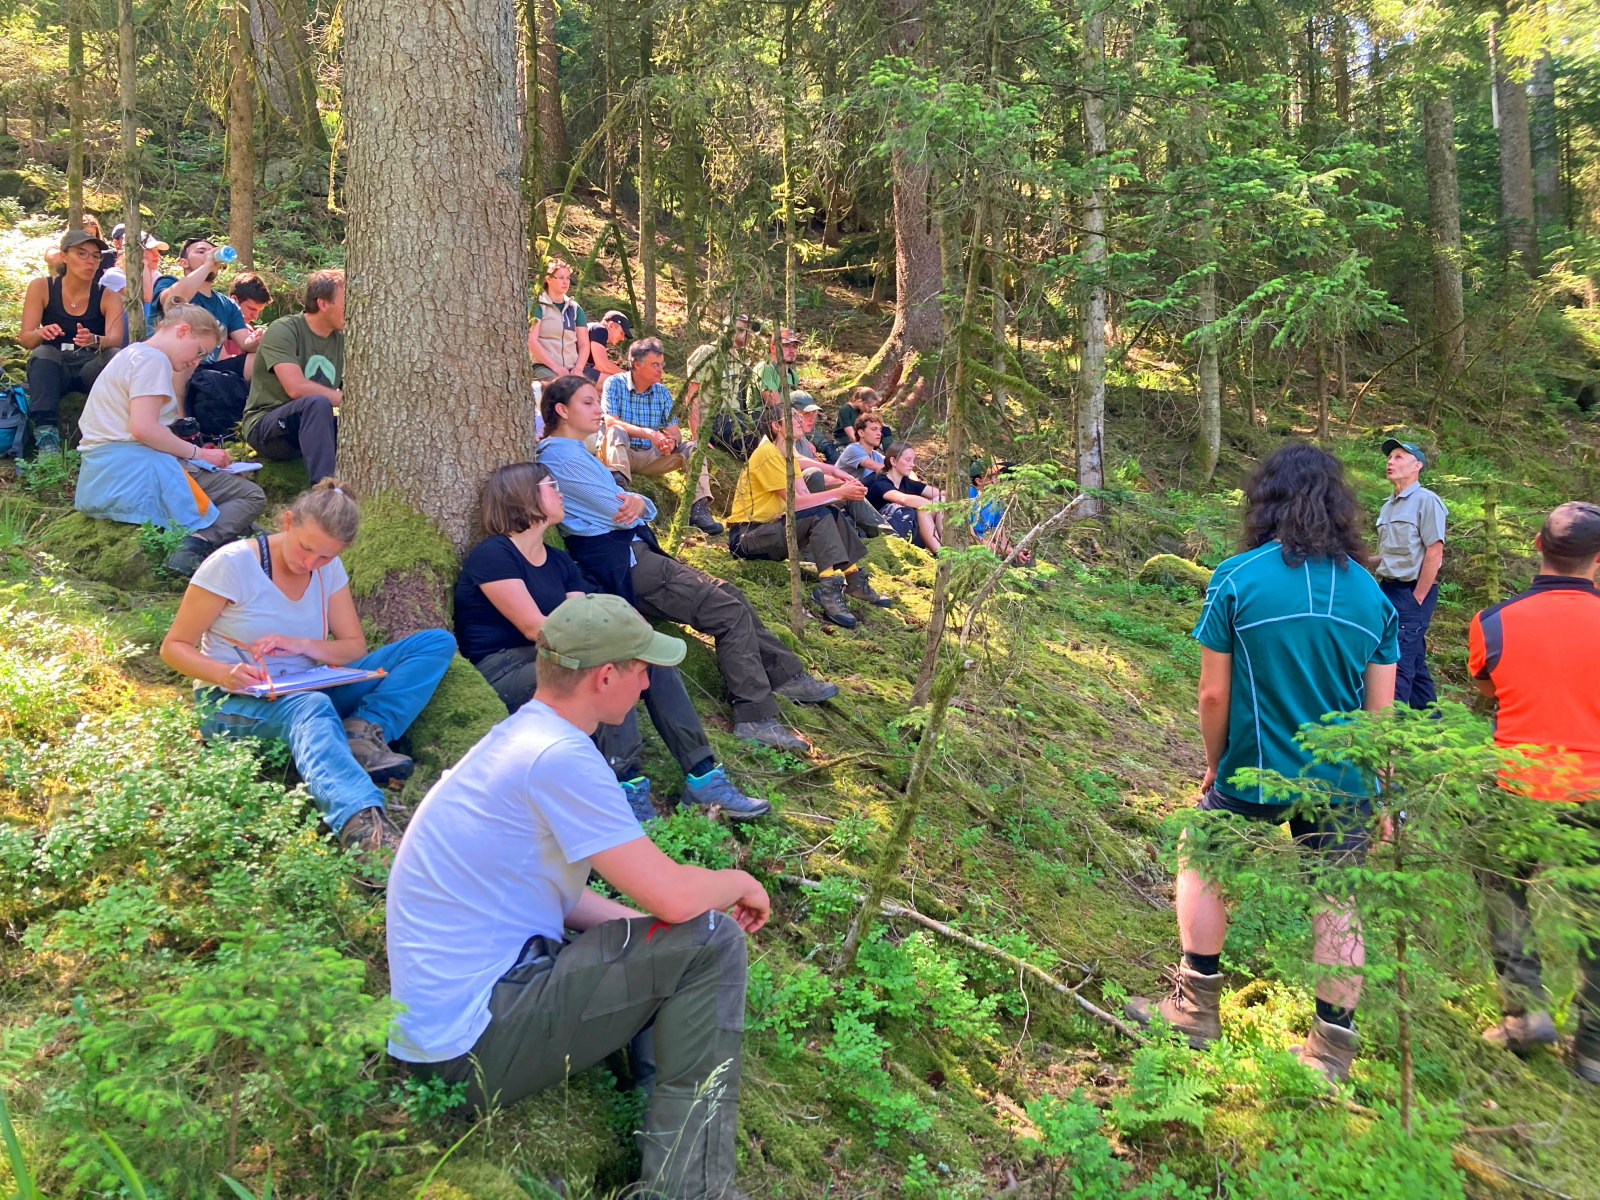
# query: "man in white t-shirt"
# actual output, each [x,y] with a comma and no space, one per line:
[133,401]
[495,865]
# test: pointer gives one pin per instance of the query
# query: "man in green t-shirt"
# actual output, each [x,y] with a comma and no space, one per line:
[295,391]
[1293,629]
[768,380]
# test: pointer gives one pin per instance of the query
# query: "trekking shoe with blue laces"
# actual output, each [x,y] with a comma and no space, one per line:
[714,788]
[638,793]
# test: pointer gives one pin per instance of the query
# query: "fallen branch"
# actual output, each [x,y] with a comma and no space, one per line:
[910,914]
[1071,510]
[1477,1165]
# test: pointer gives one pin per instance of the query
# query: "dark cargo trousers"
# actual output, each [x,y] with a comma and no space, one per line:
[825,536]
[752,659]
[565,1007]
[1519,969]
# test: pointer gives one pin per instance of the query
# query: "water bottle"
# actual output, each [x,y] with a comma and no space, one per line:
[223,255]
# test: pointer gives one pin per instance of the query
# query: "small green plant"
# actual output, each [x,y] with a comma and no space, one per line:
[15,522]
[49,472]
[157,543]
[1079,1161]
[428,1099]
[688,837]
[20,1175]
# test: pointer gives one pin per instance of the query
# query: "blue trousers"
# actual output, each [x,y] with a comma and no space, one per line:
[312,723]
[1413,684]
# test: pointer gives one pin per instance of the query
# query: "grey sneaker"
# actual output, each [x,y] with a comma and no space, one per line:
[46,440]
[186,559]
[700,517]
[829,595]
[803,689]
[638,793]
[772,732]
[714,789]
[373,840]
[371,749]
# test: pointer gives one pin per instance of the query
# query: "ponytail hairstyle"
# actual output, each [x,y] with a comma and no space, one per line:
[330,506]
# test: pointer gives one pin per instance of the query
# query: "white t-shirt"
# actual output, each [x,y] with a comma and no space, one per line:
[136,370]
[257,606]
[497,853]
[113,279]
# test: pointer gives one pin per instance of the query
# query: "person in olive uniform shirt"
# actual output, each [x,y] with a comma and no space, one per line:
[1410,551]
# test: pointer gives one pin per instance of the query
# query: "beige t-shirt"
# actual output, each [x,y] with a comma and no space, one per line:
[136,370]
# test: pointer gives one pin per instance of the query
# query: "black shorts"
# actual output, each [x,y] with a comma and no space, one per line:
[1340,835]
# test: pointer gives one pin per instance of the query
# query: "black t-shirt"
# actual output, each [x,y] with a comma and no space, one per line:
[847,420]
[481,629]
[598,333]
[878,487]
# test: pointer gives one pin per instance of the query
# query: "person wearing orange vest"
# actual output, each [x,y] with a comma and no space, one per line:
[1537,656]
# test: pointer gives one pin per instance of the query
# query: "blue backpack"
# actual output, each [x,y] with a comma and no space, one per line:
[13,417]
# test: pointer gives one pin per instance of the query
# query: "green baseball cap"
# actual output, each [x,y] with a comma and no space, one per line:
[1390,445]
[590,631]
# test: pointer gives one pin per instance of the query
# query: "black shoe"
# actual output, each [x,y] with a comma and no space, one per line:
[186,559]
[771,732]
[829,595]
[700,517]
[857,588]
[803,689]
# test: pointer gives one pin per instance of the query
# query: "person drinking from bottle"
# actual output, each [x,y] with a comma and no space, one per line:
[71,326]
[280,604]
[202,261]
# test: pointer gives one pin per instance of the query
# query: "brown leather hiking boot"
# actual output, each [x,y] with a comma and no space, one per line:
[373,840]
[371,750]
[857,588]
[1523,1032]
[1192,1009]
[1329,1049]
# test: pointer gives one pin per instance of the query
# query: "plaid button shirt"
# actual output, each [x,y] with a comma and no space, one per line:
[650,409]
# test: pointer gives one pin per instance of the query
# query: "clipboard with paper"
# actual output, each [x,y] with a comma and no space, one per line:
[313,680]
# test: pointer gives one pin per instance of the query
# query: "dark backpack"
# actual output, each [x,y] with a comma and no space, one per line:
[13,417]
[217,400]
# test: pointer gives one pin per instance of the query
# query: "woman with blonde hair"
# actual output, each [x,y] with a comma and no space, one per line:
[280,604]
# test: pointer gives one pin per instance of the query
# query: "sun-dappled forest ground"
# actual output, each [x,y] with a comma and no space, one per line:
[188,969]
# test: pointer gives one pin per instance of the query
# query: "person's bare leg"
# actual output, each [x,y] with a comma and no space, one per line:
[1202,917]
[930,539]
[1338,943]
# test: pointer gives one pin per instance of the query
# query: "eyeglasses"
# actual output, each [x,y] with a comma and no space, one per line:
[550,481]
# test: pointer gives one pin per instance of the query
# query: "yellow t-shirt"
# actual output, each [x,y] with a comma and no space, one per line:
[759,495]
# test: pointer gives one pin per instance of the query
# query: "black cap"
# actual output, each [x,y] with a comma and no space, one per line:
[621,318]
[78,237]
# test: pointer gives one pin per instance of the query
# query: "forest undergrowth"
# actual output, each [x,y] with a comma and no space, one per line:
[193,991]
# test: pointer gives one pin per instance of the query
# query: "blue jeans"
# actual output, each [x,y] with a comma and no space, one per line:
[312,723]
[1413,684]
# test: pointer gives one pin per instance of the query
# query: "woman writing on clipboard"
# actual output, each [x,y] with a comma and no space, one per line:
[278,605]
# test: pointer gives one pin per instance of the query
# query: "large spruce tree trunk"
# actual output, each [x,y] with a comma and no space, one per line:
[1444,230]
[127,95]
[241,139]
[1547,199]
[75,111]
[1516,156]
[437,383]
[918,322]
[552,120]
[285,66]
[647,182]
[1208,441]
[533,174]
[1092,370]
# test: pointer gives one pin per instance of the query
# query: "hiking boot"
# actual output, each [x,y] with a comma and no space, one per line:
[700,517]
[829,595]
[186,559]
[1193,1009]
[1586,1048]
[715,790]
[772,732]
[1521,1033]
[1585,1067]
[1329,1049]
[46,440]
[638,793]
[374,840]
[803,689]
[857,588]
[371,750]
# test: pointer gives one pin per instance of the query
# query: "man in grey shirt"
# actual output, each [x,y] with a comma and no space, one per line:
[862,455]
[1410,551]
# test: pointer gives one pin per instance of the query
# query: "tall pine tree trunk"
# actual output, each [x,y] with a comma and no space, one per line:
[1092,370]
[1516,157]
[1208,442]
[241,138]
[1341,69]
[552,121]
[647,177]
[285,66]
[127,96]
[1444,232]
[790,261]
[418,208]
[75,110]
[1547,199]
[533,175]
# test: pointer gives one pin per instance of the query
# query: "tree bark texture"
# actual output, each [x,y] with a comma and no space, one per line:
[1341,69]
[790,261]
[1208,442]
[285,66]
[552,122]
[1548,202]
[1092,369]
[647,180]
[127,95]
[1444,230]
[75,110]
[437,389]
[1516,156]
[241,138]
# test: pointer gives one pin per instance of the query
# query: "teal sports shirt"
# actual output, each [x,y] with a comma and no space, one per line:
[1301,638]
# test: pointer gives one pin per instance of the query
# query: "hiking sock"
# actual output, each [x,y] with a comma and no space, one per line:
[698,775]
[1205,964]
[827,572]
[1345,1018]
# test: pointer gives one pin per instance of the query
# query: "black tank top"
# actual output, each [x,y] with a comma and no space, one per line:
[55,312]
